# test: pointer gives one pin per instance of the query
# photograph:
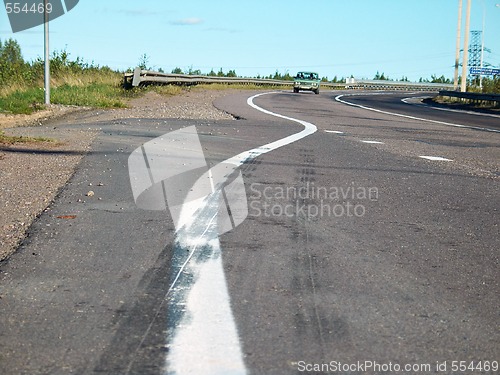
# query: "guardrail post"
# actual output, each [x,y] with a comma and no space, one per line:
[137,77]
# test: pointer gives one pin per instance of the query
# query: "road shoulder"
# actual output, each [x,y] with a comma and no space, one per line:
[32,174]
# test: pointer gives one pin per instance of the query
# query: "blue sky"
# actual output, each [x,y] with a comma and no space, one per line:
[413,38]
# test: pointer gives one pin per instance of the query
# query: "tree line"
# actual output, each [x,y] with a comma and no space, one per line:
[489,85]
[15,70]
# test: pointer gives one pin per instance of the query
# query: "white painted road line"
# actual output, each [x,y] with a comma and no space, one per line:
[338,99]
[334,131]
[434,158]
[205,339]
[374,142]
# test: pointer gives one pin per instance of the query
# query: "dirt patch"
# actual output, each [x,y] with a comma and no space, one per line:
[31,174]
[37,118]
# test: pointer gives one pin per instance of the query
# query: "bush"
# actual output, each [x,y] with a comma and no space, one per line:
[12,65]
[491,85]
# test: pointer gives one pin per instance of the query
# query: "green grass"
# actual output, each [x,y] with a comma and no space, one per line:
[99,95]
[5,139]
[22,101]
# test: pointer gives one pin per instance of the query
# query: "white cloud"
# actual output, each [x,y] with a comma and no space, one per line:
[187,22]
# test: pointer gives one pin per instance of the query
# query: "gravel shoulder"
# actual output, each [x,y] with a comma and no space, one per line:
[32,174]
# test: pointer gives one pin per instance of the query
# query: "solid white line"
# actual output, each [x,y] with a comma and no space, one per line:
[206,341]
[338,99]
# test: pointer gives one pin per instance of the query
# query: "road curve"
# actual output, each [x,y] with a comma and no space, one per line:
[410,278]
[416,108]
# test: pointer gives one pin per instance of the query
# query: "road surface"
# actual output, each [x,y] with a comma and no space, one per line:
[371,242]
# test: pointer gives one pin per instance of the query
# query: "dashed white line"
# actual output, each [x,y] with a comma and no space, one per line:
[334,131]
[374,142]
[434,158]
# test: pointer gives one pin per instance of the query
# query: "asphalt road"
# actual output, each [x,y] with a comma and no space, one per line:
[355,249]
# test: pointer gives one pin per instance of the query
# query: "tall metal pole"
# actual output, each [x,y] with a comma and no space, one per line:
[457,51]
[465,62]
[482,47]
[47,54]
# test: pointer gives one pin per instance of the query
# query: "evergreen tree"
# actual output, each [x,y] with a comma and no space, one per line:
[143,62]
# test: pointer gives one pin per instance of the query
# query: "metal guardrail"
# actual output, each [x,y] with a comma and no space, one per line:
[475,98]
[352,83]
[142,77]
[147,77]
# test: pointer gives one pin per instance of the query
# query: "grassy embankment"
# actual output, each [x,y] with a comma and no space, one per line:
[73,83]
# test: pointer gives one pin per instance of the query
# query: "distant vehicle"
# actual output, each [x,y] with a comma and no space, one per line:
[306,81]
